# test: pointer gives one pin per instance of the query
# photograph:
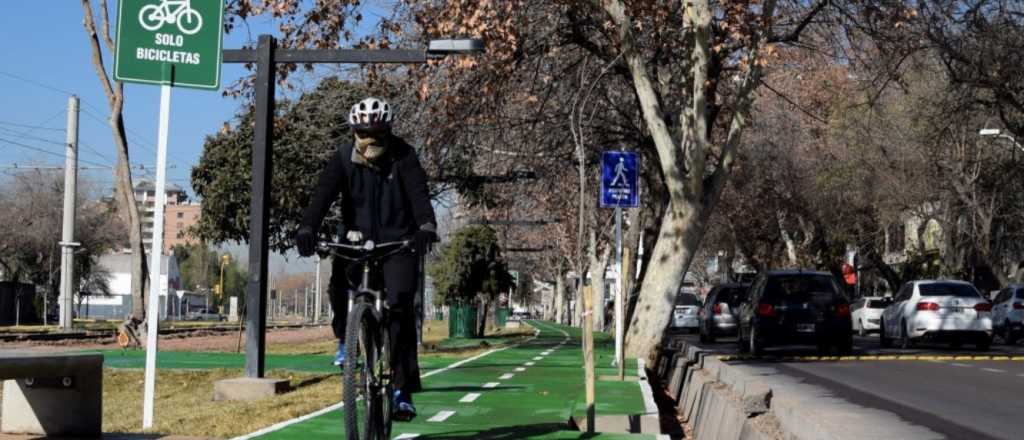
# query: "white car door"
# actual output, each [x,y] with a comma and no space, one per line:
[894,312]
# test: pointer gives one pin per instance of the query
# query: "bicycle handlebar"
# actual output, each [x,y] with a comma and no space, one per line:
[368,249]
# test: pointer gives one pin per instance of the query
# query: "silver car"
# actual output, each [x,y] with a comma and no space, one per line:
[685,314]
[718,316]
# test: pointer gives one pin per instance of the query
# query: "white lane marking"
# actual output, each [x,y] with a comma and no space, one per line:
[645,388]
[338,405]
[546,353]
[960,365]
[1020,375]
[537,358]
[993,370]
[491,384]
[441,416]
[520,369]
[407,436]
[469,397]
[529,364]
[506,376]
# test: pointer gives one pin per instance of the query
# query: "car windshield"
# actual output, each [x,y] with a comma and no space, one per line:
[687,299]
[949,289]
[818,286]
[878,303]
[732,295]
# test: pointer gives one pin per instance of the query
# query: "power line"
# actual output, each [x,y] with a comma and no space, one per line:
[35,83]
[40,150]
[33,127]
[52,142]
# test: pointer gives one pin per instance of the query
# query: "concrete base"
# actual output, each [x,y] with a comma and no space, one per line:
[247,388]
[51,409]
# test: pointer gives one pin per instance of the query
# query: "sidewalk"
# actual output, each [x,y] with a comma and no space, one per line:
[524,391]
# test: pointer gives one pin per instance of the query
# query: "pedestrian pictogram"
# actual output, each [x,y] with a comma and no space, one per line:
[179,12]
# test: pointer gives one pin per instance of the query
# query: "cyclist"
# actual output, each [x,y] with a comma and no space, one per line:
[384,197]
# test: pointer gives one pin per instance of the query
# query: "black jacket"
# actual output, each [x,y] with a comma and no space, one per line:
[386,205]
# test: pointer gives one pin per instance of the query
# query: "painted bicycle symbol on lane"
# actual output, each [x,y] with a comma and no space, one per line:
[180,12]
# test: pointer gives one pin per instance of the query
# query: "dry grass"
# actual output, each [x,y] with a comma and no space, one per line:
[185,406]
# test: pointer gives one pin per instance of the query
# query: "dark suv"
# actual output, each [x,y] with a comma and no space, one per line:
[795,307]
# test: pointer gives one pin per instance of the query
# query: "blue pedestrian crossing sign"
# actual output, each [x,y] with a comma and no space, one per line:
[620,184]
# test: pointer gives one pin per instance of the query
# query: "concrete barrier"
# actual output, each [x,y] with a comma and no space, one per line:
[52,394]
[723,400]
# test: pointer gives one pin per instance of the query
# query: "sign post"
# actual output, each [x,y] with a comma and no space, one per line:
[620,188]
[166,43]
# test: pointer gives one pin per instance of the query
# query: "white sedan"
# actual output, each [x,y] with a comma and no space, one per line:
[867,313]
[950,311]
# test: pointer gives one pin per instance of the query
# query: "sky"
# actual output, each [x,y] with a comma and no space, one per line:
[47,57]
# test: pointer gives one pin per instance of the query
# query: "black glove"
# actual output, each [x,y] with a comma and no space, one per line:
[305,240]
[422,240]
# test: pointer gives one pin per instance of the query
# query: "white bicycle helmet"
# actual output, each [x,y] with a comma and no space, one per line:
[370,114]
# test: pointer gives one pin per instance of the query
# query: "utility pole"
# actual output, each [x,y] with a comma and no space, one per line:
[67,259]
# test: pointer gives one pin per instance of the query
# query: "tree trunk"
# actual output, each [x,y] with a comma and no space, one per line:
[680,236]
[482,315]
[122,172]
[559,312]
[598,267]
[790,245]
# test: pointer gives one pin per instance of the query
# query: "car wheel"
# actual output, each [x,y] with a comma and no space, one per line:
[984,343]
[1012,336]
[860,328]
[905,341]
[756,347]
[703,336]
[883,341]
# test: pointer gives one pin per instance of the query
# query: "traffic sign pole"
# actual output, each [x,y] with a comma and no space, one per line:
[156,255]
[618,294]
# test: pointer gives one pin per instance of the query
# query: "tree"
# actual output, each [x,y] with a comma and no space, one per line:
[306,133]
[200,269]
[470,268]
[29,253]
[123,192]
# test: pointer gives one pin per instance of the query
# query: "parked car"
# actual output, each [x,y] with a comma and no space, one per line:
[867,313]
[717,317]
[204,315]
[1008,313]
[684,316]
[795,307]
[950,311]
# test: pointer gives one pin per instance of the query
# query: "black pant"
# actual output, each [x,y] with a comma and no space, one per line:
[399,275]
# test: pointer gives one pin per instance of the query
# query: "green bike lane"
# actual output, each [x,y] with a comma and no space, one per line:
[525,391]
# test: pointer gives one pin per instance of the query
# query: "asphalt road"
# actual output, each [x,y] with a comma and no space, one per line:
[961,399]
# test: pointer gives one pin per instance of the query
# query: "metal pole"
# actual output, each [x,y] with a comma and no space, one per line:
[67,259]
[618,293]
[156,255]
[318,304]
[259,210]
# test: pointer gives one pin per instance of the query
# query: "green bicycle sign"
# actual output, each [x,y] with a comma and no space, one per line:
[183,34]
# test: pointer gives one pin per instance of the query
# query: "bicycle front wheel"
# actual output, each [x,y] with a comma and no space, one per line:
[364,390]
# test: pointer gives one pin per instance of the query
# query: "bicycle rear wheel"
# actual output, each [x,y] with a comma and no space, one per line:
[363,391]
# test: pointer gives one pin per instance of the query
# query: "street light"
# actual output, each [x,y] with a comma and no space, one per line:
[999,134]
[442,48]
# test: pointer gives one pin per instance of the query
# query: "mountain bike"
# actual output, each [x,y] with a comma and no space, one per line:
[367,368]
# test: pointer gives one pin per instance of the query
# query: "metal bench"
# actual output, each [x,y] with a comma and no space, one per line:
[52,393]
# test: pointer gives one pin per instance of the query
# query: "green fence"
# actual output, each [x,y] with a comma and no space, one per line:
[462,321]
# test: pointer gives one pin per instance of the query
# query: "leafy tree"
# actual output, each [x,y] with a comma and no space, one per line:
[469,267]
[306,133]
[200,270]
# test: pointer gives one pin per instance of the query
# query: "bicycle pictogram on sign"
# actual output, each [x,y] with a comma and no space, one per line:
[179,12]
